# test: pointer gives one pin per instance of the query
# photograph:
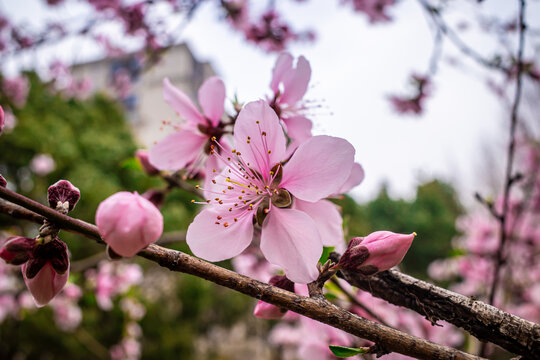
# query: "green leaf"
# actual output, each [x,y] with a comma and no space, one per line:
[131,164]
[326,252]
[343,352]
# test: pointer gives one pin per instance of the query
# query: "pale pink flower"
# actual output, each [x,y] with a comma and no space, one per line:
[256,185]
[375,10]
[190,145]
[16,89]
[128,222]
[42,164]
[289,85]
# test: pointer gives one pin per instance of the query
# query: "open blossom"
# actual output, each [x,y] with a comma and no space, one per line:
[190,145]
[128,222]
[289,85]
[282,199]
[42,164]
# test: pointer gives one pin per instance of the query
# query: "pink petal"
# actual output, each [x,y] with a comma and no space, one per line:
[212,98]
[267,311]
[318,168]
[298,128]
[214,242]
[181,103]
[327,219]
[290,239]
[246,129]
[355,178]
[46,284]
[282,67]
[177,150]
[296,84]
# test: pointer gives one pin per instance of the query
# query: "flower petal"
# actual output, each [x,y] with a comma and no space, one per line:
[327,220]
[355,178]
[46,284]
[298,128]
[256,152]
[176,150]
[181,103]
[214,242]
[296,84]
[282,67]
[318,168]
[212,98]
[290,239]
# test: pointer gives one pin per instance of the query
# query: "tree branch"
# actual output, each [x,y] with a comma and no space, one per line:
[484,321]
[386,338]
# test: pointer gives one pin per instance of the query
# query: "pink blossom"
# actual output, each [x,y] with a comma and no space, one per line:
[375,10]
[254,265]
[256,185]
[413,104]
[379,251]
[16,89]
[128,222]
[190,145]
[46,284]
[289,85]
[42,164]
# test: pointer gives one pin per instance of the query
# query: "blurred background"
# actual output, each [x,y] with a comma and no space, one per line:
[81,86]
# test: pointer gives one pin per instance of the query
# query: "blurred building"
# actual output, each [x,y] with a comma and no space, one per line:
[140,89]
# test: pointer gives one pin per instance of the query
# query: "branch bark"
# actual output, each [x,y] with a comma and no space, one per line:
[386,338]
[484,321]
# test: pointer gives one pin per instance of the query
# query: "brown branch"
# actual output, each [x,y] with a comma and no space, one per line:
[509,178]
[386,338]
[484,321]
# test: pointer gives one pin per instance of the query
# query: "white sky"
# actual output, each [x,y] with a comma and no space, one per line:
[355,66]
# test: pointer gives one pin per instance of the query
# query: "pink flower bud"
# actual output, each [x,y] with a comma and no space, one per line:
[379,251]
[3,181]
[128,222]
[265,310]
[61,192]
[17,250]
[148,168]
[46,284]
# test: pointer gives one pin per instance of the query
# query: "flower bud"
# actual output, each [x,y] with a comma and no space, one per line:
[17,250]
[264,310]
[128,223]
[3,181]
[46,284]
[47,271]
[142,156]
[379,251]
[156,197]
[63,192]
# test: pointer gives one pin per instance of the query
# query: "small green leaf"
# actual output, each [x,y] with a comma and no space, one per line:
[131,164]
[343,352]
[326,252]
[330,296]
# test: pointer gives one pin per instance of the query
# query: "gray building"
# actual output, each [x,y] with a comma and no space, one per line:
[143,99]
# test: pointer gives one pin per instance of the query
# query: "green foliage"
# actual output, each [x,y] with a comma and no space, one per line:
[432,214]
[345,352]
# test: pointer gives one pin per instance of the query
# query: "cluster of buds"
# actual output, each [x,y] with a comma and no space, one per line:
[44,259]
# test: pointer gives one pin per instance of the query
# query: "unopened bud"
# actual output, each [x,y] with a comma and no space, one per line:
[54,253]
[17,250]
[264,310]
[3,181]
[142,156]
[128,222]
[63,195]
[379,251]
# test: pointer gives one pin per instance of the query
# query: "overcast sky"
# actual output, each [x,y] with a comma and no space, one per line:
[355,66]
